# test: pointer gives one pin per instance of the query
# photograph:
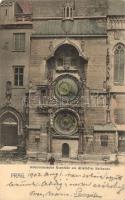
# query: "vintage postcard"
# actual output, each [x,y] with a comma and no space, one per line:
[62,99]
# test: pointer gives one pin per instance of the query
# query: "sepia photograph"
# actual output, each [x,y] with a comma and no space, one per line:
[62,99]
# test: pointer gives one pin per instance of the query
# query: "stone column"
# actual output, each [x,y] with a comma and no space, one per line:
[49,138]
[117,138]
[43,71]
[81,143]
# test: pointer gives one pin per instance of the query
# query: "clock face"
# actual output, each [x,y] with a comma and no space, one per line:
[66,87]
[65,122]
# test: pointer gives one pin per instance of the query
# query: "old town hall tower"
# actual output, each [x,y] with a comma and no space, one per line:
[62,68]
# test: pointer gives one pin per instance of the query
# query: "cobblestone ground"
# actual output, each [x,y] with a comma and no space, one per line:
[24,160]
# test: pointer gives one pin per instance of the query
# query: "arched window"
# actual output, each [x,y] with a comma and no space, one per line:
[119,64]
[68,11]
[71,12]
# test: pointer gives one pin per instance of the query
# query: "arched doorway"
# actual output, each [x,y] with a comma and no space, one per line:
[65,150]
[9,130]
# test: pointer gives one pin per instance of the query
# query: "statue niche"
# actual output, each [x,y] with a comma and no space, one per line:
[66,58]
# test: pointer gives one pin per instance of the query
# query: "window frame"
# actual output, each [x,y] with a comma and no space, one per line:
[18,74]
[19,48]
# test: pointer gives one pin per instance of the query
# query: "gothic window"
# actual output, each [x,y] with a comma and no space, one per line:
[68,11]
[19,41]
[104,140]
[119,64]
[18,75]
[71,12]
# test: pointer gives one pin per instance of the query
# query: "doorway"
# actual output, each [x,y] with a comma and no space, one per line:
[8,130]
[65,150]
[121,142]
[9,135]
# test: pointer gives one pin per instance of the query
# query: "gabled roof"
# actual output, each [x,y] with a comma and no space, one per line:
[52,8]
[25,6]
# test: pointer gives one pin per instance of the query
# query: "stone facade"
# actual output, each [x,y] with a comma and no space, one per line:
[58,67]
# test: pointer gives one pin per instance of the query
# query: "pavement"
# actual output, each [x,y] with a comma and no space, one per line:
[64,161]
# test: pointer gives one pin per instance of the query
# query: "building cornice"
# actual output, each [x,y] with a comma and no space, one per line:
[61,18]
[16,26]
[37,36]
[116,22]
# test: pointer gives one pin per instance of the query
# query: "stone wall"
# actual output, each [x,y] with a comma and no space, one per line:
[57,147]
[10,58]
[110,148]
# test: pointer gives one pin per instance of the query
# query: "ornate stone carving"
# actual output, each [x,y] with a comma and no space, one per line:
[50,76]
[51,48]
[6,46]
[67,26]
[117,35]
[10,121]
[108,87]
[66,88]
[82,45]
[65,122]
[107,58]
[8,92]
[116,22]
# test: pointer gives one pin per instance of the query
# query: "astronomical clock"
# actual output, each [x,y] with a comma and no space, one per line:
[66,88]
[66,91]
